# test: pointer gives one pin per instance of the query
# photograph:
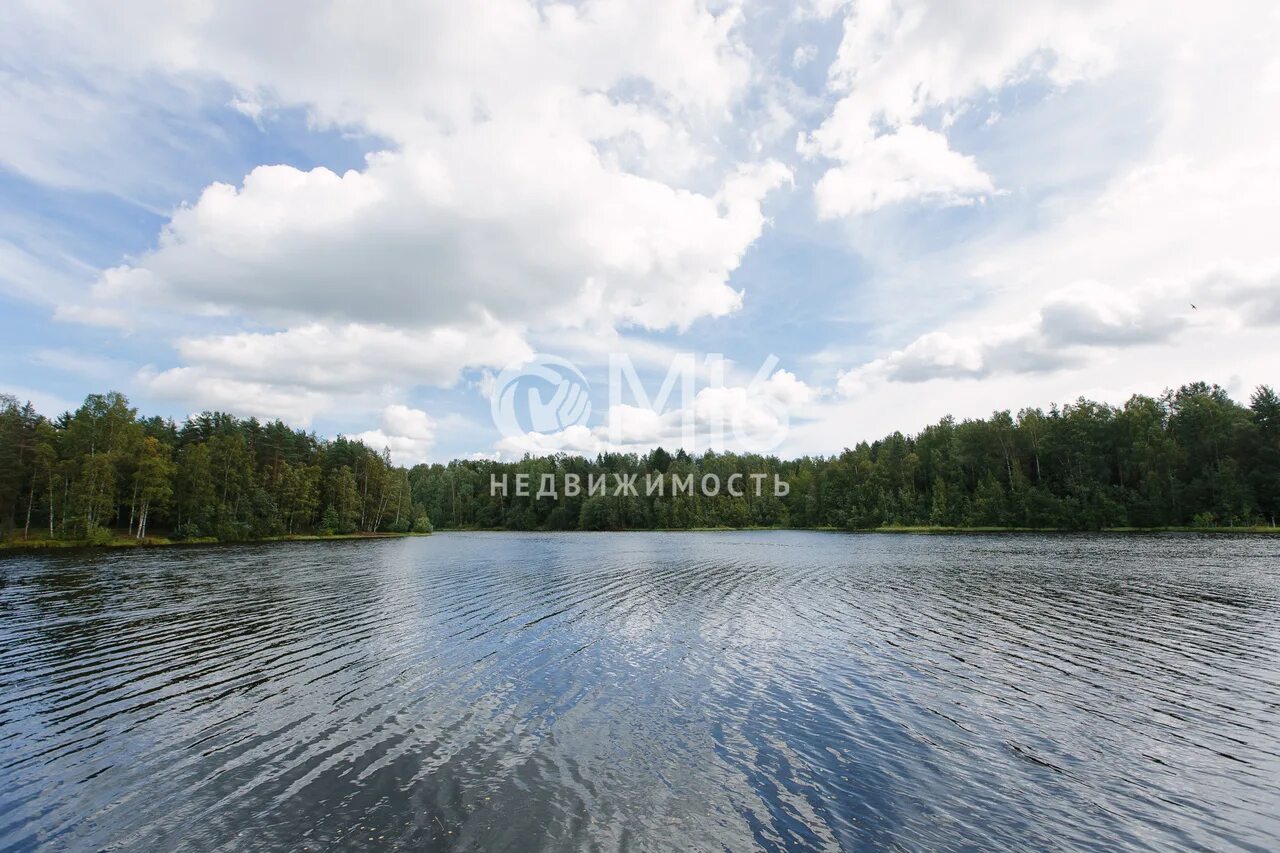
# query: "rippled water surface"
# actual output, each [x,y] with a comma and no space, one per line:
[644,691]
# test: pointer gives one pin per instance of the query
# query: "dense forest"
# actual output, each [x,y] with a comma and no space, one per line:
[102,471]
[1191,457]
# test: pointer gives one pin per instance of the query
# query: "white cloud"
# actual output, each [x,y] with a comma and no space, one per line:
[1254,296]
[541,164]
[900,59]
[351,357]
[783,386]
[463,231]
[203,390]
[1240,361]
[909,164]
[1071,326]
[1185,216]
[803,55]
[1091,314]
[577,439]
[307,370]
[532,172]
[566,177]
[44,402]
[408,434]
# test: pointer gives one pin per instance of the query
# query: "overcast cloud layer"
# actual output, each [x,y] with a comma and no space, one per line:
[352,215]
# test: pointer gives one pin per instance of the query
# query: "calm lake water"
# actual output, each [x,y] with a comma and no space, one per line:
[703,691]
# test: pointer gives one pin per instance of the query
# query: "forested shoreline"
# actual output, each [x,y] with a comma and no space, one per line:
[1187,458]
[102,473]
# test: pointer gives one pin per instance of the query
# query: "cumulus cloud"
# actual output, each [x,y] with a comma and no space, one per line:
[482,236]
[557,176]
[912,163]
[201,389]
[522,182]
[1252,295]
[352,356]
[1090,314]
[538,165]
[1178,208]
[306,370]
[901,59]
[408,434]
[1069,324]
[1088,323]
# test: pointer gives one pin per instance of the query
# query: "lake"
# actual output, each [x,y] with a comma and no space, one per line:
[642,691]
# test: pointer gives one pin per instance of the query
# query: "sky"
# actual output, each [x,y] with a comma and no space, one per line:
[841,218]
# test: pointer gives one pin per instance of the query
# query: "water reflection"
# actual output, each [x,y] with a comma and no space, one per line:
[694,691]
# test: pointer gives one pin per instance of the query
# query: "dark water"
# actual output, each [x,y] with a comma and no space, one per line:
[645,691]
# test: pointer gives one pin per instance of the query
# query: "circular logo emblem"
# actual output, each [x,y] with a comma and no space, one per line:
[546,394]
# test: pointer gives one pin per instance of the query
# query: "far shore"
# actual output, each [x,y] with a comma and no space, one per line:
[18,545]
[922,529]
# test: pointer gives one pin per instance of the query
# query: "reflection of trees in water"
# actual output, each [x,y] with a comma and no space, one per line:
[654,690]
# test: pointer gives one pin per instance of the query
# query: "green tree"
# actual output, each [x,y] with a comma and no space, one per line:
[344,500]
[197,498]
[155,481]
[1264,468]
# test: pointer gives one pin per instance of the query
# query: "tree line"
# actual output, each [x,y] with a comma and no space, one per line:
[1190,457]
[102,471]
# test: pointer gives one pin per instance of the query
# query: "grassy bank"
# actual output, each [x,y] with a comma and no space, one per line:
[16,545]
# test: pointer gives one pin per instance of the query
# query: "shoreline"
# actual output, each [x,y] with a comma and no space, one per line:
[18,546]
[930,530]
